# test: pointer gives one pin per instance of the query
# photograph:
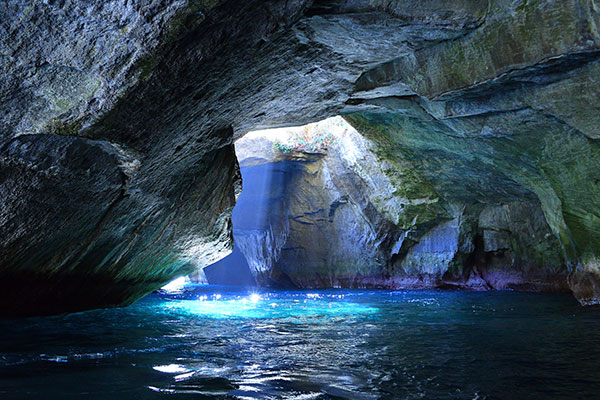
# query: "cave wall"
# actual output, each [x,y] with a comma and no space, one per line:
[335,218]
[117,120]
[501,104]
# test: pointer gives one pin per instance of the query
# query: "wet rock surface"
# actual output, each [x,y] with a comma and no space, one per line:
[489,103]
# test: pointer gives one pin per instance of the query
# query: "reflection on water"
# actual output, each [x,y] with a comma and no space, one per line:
[282,305]
[218,342]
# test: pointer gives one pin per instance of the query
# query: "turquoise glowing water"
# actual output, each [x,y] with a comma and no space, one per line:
[216,342]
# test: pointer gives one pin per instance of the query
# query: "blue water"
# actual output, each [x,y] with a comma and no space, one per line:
[217,342]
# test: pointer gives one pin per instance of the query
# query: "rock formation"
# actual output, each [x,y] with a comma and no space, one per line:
[334,218]
[117,169]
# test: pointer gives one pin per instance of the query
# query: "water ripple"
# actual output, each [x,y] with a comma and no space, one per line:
[207,342]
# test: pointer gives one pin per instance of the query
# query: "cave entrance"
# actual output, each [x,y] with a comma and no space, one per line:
[324,206]
[282,214]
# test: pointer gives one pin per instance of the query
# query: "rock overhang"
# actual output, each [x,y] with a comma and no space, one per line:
[488,102]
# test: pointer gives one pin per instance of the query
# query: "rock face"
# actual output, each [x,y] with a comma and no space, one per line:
[112,238]
[117,171]
[335,219]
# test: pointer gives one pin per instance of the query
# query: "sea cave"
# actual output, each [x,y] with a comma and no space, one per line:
[299,199]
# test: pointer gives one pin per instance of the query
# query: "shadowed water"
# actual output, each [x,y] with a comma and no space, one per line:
[218,342]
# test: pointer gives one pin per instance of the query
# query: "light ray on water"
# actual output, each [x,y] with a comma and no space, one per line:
[223,342]
[267,305]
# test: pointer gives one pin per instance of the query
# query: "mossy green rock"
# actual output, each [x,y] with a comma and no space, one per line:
[353,216]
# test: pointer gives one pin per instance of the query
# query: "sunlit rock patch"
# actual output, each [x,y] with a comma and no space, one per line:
[322,207]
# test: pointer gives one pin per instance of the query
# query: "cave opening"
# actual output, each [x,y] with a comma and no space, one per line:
[324,206]
[286,206]
[441,246]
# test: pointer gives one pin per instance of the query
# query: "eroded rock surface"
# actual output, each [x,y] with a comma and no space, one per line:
[80,229]
[334,218]
[490,103]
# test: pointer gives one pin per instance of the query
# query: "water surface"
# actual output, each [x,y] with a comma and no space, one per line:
[218,342]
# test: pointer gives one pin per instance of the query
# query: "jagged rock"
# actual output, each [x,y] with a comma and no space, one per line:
[469,102]
[340,221]
[80,229]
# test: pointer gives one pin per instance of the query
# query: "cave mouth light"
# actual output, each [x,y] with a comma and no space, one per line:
[269,161]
